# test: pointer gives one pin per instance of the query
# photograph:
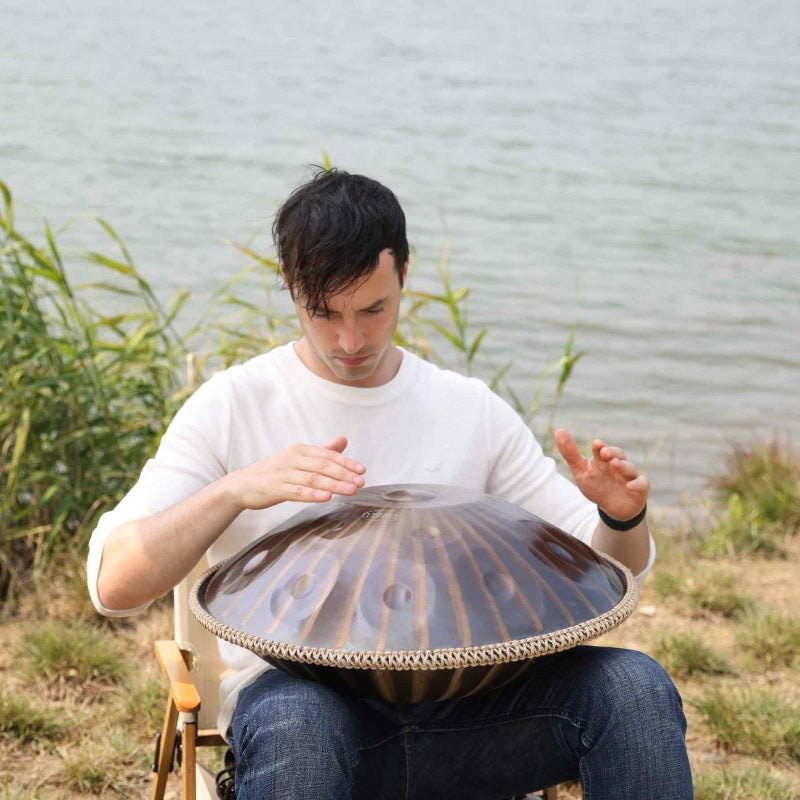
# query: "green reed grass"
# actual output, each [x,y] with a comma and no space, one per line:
[760,491]
[768,475]
[740,530]
[245,322]
[454,330]
[86,392]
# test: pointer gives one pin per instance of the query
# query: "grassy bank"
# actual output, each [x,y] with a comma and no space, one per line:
[81,697]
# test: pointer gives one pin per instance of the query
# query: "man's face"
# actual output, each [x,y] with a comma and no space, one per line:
[351,342]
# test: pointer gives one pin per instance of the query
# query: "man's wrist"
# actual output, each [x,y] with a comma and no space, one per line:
[622,525]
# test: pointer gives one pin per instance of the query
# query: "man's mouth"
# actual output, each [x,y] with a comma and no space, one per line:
[352,361]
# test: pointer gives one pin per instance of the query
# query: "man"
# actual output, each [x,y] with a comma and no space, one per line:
[343,407]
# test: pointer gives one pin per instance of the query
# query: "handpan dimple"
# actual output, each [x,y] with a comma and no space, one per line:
[413,592]
[303,586]
[397,596]
[501,586]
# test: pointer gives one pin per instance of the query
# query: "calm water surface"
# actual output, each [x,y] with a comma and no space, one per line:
[632,167]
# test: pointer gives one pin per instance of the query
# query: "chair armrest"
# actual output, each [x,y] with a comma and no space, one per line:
[181,686]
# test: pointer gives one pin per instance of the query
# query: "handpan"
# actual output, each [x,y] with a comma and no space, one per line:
[413,592]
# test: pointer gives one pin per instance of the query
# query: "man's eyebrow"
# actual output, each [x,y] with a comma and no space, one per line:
[376,304]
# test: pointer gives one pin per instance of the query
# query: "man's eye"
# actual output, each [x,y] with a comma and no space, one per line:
[374,310]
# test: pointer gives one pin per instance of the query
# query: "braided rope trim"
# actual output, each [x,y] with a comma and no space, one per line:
[434,659]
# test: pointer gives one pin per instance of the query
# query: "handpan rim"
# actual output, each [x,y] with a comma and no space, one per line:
[430,659]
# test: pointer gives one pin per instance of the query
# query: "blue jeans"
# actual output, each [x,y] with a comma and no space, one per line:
[607,716]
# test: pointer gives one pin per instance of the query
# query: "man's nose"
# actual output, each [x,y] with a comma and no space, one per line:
[351,340]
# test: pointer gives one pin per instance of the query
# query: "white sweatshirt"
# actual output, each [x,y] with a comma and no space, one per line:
[426,425]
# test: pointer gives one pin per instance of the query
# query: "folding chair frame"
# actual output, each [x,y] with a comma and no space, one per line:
[179,734]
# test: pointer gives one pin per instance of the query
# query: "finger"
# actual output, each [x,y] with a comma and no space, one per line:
[325,467]
[338,444]
[627,469]
[569,450]
[608,453]
[640,484]
[332,456]
[299,493]
[597,446]
[317,480]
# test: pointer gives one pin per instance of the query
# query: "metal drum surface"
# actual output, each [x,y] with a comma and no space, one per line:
[413,592]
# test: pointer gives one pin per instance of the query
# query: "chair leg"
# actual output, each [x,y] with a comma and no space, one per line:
[189,766]
[165,750]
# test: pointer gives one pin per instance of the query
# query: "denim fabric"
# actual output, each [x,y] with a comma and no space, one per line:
[607,716]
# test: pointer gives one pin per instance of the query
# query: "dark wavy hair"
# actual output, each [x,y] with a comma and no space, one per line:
[330,233]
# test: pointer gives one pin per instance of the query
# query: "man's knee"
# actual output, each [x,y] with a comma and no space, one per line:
[631,674]
[637,689]
[293,739]
[291,713]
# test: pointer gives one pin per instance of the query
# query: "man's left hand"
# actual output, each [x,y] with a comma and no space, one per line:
[608,478]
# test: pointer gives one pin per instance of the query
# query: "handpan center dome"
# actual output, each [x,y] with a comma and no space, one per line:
[407,495]
[412,592]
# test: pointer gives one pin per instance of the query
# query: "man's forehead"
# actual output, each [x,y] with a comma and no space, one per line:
[338,296]
[368,289]
[348,299]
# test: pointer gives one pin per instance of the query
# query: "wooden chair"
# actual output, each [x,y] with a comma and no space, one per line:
[193,670]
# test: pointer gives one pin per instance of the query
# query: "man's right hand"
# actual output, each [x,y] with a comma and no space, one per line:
[145,558]
[302,473]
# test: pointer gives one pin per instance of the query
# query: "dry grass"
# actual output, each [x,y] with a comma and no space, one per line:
[760,721]
[743,719]
[684,655]
[771,637]
[80,697]
[747,783]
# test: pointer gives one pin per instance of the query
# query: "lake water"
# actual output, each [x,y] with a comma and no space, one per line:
[631,167]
